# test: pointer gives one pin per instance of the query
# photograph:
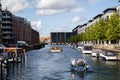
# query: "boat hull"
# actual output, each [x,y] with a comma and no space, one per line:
[55,50]
[78,69]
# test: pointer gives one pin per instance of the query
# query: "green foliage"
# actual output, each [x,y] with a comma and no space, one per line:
[113,33]
[73,39]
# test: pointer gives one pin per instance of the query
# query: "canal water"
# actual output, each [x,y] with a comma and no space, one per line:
[43,65]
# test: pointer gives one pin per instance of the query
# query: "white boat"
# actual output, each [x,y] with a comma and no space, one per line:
[78,65]
[56,49]
[109,55]
[87,48]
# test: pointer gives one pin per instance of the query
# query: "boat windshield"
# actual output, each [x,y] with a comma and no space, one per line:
[87,47]
[110,54]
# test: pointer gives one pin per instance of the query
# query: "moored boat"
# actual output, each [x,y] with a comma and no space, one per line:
[109,56]
[87,48]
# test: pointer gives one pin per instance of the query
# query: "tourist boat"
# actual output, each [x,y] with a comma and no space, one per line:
[80,66]
[87,49]
[109,55]
[56,49]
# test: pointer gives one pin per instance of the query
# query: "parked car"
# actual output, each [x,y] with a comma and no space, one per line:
[22,44]
[109,55]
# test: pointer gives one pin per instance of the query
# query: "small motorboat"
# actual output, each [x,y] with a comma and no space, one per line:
[56,49]
[80,65]
[109,56]
[87,48]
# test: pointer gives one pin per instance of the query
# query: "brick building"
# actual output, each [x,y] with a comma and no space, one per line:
[34,37]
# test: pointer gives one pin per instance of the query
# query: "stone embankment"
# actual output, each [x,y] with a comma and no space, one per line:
[113,47]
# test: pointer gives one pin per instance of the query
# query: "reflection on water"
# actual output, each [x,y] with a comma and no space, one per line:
[114,63]
[44,65]
[80,75]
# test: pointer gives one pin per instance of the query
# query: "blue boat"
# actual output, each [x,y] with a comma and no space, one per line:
[80,66]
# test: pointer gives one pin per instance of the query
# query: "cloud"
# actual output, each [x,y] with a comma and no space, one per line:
[78,9]
[49,7]
[77,19]
[93,1]
[15,5]
[36,25]
[49,11]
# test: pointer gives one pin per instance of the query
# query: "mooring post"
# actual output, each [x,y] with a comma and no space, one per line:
[1,69]
[7,70]
[24,56]
[21,58]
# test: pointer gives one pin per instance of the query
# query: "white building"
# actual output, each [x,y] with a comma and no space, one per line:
[105,15]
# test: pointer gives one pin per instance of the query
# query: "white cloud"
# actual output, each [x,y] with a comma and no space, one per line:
[93,1]
[49,11]
[15,5]
[36,25]
[48,7]
[77,19]
[77,10]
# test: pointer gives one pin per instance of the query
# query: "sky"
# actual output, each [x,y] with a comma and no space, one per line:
[48,16]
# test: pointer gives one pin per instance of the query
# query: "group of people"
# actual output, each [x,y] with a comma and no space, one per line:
[80,62]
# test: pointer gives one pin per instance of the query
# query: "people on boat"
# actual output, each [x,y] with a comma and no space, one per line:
[74,62]
[81,63]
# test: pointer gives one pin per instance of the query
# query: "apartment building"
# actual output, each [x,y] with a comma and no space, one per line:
[14,28]
[75,30]
[6,30]
[0,23]
[105,15]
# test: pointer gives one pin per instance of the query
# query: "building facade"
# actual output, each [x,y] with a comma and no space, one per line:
[22,29]
[60,37]
[7,32]
[0,24]
[34,37]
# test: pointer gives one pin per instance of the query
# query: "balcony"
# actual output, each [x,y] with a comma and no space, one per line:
[7,37]
[7,32]
[6,22]
[6,27]
[6,17]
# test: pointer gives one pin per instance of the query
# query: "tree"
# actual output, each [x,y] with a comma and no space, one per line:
[113,32]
